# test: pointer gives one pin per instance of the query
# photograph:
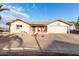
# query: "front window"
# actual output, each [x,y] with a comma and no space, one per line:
[18,26]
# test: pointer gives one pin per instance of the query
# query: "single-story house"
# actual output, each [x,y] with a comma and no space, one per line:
[58,26]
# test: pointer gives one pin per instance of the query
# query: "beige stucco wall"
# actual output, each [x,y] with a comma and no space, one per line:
[25,27]
[57,27]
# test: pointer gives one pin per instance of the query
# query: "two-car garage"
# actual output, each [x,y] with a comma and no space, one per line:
[57,29]
[58,26]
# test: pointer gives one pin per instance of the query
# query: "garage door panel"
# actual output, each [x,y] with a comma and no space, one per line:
[57,29]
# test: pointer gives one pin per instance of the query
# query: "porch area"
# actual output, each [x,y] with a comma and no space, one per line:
[39,29]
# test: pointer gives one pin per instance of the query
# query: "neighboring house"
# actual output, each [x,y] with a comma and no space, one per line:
[4,28]
[73,27]
[58,26]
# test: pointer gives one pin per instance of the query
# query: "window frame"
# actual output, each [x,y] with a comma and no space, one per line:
[18,26]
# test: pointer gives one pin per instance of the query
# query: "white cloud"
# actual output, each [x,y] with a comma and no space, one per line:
[15,12]
[18,14]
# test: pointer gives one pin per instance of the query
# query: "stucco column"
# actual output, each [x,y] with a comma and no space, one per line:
[68,29]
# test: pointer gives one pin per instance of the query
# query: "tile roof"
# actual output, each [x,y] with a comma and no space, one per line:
[41,23]
[61,20]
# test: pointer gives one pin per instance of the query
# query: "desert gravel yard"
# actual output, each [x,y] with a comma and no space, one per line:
[44,44]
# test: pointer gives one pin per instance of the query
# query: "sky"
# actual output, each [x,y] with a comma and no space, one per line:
[40,12]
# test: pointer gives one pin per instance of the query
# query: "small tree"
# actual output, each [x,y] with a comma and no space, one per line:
[0,17]
[8,23]
[2,9]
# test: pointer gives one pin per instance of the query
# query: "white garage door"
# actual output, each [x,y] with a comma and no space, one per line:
[57,29]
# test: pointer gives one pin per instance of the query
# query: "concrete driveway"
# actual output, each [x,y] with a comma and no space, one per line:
[53,43]
[60,43]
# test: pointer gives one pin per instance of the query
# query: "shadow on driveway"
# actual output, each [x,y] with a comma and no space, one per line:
[62,48]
